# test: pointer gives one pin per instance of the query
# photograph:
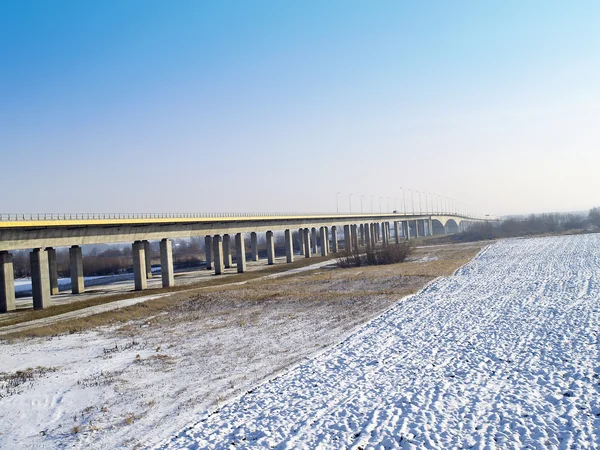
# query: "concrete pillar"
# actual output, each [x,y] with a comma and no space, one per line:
[367,231]
[334,239]
[362,235]
[148,259]
[406,230]
[327,240]
[301,241]
[227,251]
[347,239]
[354,234]
[240,253]
[208,250]
[373,235]
[313,240]
[397,232]
[76,266]
[289,246]
[52,271]
[254,246]
[384,234]
[218,254]
[7,283]
[166,263]
[139,265]
[416,233]
[40,278]
[323,233]
[270,248]
[306,234]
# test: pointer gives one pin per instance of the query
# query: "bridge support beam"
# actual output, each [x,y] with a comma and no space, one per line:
[270,248]
[367,230]
[208,251]
[218,254]
[313,240]
[347,239]
[254,246]
[416,230]
[289,246]
[139,265]
[148,257]
[52,270]
[227,251]
[301,241]
[323,232]
[430,222]
[240,253]
[40,278]
[306,235]
[76,266]
[397,232]
[362,234]
[384,234]
[7,283]
[334,239]
[354,233]
[166,263]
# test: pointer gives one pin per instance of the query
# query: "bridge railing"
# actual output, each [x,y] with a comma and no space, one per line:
[28,217]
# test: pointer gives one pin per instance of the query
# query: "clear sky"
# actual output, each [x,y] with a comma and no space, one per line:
[156,106]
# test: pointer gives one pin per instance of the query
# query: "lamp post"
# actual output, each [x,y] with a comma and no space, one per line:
[404,199]
[361,203]
[420,211]
[412,200]
[337,202]
[371,204]
[350,201]
[379,205]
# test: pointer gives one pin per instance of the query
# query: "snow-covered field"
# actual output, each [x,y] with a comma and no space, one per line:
[505,354]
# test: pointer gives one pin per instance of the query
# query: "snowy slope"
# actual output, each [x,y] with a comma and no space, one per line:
[505,354]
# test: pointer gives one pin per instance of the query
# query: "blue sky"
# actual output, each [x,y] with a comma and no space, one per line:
[276,106]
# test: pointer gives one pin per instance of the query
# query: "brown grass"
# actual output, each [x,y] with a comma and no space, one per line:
[320,285]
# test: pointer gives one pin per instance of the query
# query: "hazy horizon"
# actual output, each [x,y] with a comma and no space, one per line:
[268,106]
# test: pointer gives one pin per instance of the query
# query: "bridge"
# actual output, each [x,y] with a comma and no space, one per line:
[43,233]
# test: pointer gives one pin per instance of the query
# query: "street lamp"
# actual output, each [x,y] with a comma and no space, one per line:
[337,202]
[420,212]
[403,199]
[350,201]
[371,204]
[379,205]
[412,200]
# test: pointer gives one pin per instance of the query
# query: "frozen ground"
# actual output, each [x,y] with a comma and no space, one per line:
[505,354]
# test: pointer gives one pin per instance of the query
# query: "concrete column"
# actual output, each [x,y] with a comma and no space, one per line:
[270,248]
[416,231]
[166,263]
[373,235]
[397,232]
[254,246]
[362,235]
[384,234]
[301,240]
[7,283]
[313,240]
[76,266]
[354,234]
[139,265]
[148,259]
[208,250]
[240,253]
[327,240]
[323,233]
[306,234]
[367,231]
[406,230]
[334,239]
[40,278]
[227,251]
[52,271]
[218,254]
[347,239]
[289,246]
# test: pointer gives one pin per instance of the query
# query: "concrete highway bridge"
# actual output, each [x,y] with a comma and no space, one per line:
[43,233]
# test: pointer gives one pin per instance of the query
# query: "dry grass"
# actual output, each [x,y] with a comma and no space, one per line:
[218,298]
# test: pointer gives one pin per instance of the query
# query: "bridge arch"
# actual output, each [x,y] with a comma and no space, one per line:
[452,226]
[437,227]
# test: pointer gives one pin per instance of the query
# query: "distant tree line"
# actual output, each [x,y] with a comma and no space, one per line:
[533,224]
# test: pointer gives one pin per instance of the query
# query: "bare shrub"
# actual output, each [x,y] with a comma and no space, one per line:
[389,254]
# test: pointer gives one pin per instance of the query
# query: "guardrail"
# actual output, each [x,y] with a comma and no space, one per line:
[25,217]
